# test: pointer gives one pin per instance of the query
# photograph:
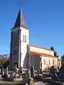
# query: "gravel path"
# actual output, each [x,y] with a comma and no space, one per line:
[40,83]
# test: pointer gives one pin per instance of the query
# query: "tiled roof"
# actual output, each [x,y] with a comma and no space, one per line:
[43,54]
[39,47]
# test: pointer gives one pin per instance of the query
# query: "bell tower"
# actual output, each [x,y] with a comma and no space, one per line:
[19,42]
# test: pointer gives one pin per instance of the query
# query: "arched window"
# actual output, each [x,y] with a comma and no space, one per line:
[53,62]
[49,62]
[44,62]
[24,38]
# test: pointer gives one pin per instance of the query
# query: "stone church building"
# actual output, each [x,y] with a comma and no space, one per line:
[23,54]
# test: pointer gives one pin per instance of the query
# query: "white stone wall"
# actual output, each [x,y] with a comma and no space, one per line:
[47,57]
[22,57]
[23,45]
[49,61]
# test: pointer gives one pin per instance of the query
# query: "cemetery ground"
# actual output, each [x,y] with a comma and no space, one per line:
[24,81]
[44,79]
[39,78]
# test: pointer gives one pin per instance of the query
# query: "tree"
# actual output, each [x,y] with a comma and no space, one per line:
[52,48]
[4,62]
[55,53]
[5,65]
[62,59]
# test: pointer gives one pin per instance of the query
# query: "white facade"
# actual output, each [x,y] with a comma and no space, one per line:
[21,57]
[49,61]
[23,44]
[43,57]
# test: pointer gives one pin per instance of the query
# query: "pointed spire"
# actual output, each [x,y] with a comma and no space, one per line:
[20,20]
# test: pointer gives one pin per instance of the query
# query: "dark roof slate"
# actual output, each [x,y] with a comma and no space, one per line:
[20,20]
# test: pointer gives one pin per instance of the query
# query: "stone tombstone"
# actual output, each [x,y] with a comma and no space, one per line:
[0,70]
[40,71]
[11,76]
[53,72]
[29,73]
[32,71]
[61,73]
[0,76]
[7,70]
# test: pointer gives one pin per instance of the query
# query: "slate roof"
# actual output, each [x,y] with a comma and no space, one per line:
[20,20]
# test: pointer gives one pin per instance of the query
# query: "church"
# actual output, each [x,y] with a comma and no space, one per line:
[23,54]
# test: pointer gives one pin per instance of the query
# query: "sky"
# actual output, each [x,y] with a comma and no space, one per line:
[43,18]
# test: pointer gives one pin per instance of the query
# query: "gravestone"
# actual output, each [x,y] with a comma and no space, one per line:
[29,73]
[11,76]
[7,70]
[61,73]
[0,77]
[32,71]
[53,73]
